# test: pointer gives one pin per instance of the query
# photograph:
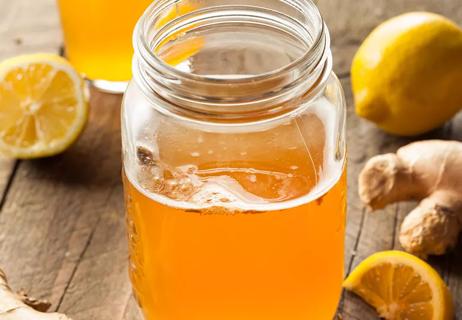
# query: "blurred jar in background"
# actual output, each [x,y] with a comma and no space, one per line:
[97,37]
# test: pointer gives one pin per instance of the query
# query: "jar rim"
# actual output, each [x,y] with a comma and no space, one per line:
[157,8]
[238,96]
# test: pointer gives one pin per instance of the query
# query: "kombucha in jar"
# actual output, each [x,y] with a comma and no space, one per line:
[234,163]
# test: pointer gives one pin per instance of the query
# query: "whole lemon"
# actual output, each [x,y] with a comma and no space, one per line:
[407,75]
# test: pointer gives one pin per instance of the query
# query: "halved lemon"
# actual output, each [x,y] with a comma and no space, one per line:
[43,106]
[401,286]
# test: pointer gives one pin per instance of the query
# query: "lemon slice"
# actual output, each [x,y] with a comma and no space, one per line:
[401,286]
[43,106]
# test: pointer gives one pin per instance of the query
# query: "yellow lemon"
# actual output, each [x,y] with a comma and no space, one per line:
[401,286]
[43,106]
[407,75]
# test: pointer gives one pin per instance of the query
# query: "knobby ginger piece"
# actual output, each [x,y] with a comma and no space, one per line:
[427,171]
[18,306]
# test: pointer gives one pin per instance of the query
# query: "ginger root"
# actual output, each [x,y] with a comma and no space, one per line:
[18,306]
[427,171]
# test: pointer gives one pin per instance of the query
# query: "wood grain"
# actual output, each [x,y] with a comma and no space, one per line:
[350,21]
[371,232]
[25,27]
[454,260]
[366,232]
[62,233]
[99,287]
[54,209]
[62,228]
[7,171]
[29,26]
[20,33]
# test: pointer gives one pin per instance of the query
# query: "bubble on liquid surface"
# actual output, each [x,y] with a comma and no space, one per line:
[257,168]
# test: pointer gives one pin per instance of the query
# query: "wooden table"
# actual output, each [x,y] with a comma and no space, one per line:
[62,233]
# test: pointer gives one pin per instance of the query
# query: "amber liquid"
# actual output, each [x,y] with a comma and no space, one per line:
[98,35]
[221,260]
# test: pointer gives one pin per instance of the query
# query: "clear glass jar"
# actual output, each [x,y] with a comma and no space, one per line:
[234,162]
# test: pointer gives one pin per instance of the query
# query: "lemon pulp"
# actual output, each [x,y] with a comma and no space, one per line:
[43,106]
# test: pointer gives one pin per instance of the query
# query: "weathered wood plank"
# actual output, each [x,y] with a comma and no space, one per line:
[364,141]
[29,26]
[7,171]
[454,278]
[21,32]
[25,27]
[62,228]
[454,260]
[350,21]
[55,207]
[356,156]
[99,287]
[378,231]
[372,232]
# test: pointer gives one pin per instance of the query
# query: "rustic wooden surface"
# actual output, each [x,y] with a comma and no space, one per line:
[61,219]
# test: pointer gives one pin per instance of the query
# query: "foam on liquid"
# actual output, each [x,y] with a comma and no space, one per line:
[256,168]
[195,186]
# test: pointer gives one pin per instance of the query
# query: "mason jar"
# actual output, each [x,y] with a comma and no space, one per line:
[233,132]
